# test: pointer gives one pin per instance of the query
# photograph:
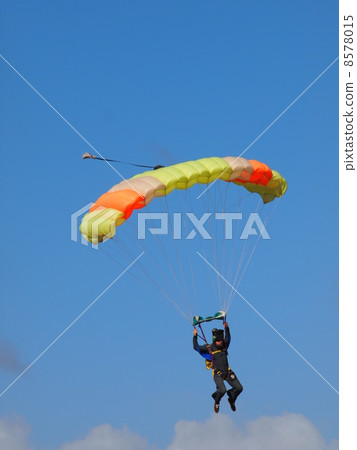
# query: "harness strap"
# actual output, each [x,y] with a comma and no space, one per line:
[208,346]
[219,373]
[219,351]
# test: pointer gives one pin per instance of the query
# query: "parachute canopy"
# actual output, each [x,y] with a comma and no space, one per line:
[115,206]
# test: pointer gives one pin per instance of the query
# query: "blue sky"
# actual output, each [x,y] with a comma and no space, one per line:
[164,82]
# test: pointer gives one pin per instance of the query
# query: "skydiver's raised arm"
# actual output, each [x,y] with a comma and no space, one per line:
[201,349]
[227,335]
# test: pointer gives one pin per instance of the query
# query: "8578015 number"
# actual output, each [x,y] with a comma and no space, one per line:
[348,41]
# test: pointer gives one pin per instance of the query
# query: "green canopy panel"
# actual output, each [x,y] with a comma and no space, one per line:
[220,315]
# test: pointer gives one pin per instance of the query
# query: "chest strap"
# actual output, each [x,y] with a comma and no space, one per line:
[219,351]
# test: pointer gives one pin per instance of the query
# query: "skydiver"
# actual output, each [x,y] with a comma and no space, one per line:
[216,353]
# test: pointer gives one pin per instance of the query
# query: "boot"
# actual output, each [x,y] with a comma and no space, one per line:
[232,404]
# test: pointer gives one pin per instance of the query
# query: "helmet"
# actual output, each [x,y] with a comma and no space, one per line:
[217,335]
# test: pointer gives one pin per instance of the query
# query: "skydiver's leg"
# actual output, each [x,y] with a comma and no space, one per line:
[221,388]
[237,388]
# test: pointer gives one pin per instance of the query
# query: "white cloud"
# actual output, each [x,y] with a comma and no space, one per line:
[286,432]
[105,437]
[8,357]
[14,434]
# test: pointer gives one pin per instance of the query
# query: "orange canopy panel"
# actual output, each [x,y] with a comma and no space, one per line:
[261,173]
[125,201]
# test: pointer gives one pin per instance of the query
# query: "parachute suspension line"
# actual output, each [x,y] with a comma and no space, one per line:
[186,294]
[272,210]
[90,156]
[148,250]
[222,202]
[253,251]
[203,249]
[214,284]
[219,244]
[169,263]
[229,289]
[123,248]
[220,237]
[241,262]
[242,253]
[241,200]
[223,245]
[232,254]
[194,303]
[178,287]
[208,345]
[120,243]
[203,335]
[149,285]
[214,248]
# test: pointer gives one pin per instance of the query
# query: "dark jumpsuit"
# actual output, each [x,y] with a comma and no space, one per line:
[220,367]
